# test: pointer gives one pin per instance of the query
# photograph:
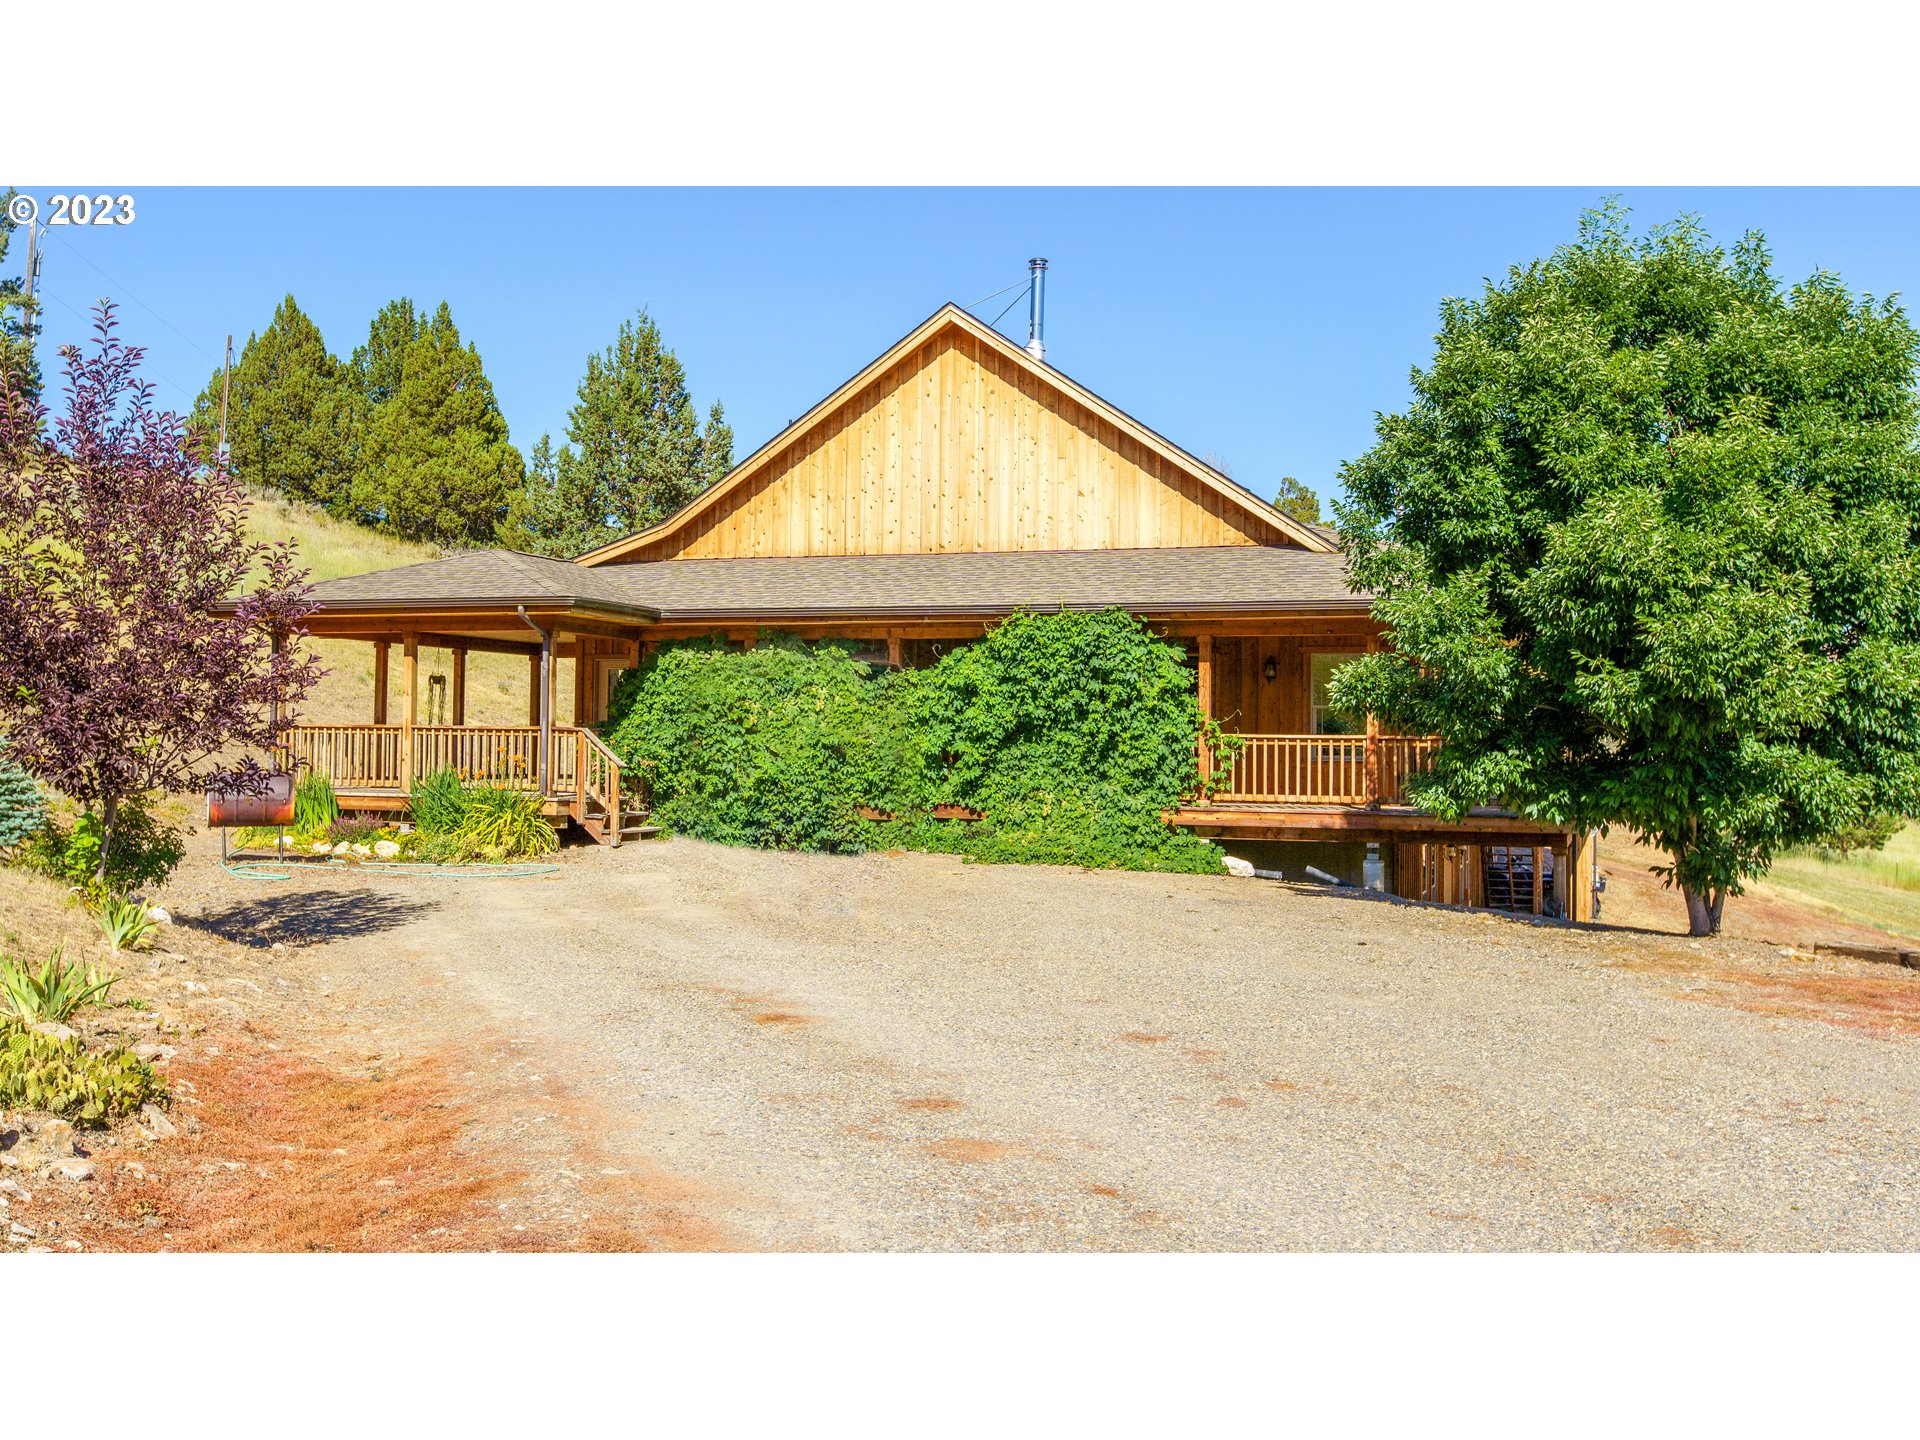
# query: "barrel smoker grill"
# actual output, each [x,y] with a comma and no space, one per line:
[230,810]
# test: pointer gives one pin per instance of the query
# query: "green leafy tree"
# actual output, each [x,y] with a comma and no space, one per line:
[1295,499]
[290,413]
[16,325]
[434,461]
[1645,546]
[637,450]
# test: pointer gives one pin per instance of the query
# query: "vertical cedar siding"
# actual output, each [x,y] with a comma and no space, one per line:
[955,448]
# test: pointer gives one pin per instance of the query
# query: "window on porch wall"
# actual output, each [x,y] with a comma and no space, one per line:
[1322,718]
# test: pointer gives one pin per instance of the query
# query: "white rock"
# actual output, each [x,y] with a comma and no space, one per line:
[386,849]
[321,847]
[157,1123]
[1236,866]
[56,1030]
[160,916]
[362,850]
[76,1167]
[151,1052]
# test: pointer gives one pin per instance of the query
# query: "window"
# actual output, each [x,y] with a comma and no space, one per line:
[1320,667]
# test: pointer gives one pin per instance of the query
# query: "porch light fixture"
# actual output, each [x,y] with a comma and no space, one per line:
[1272,669]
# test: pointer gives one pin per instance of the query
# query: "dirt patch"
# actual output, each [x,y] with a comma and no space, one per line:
[970,1152]
[1283,1086]
[931,1102]
[1105,1191]
[293,1155]
[1831,992]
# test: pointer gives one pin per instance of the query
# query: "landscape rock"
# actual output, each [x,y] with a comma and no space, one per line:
[1236,866]
[157,1123]
[321,847]
[386,850]
[150,1052]
[74,1167]
[56,1030]
[363,851]
[159,914]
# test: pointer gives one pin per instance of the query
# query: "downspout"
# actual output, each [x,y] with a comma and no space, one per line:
[546,697]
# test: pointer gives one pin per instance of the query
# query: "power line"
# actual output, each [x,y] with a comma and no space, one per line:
[88,321]
[74,250]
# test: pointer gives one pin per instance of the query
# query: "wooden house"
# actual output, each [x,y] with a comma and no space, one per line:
[954,480]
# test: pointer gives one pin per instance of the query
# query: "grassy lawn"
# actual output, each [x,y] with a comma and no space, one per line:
[330,548]
[1880,889]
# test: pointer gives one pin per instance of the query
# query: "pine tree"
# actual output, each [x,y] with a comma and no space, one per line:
[434,460]
[716,447]
[289,413]
[638,453]
[1295,499]
[16,325]
[554,514]
[23,808]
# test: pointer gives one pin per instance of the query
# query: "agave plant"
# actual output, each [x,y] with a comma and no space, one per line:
[54,991]
[127,923]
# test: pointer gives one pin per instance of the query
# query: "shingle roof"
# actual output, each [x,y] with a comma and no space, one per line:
[1144,581]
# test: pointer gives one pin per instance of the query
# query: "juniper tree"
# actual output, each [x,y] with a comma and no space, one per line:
[434,462]
[1645,546]
[118,533]
[289,412]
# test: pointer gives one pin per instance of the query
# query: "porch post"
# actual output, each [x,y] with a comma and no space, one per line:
[1376,782]
[533,688]
[545,697]
[581,667]
[410,716]
[459,685]
[1206,708]
[379,682]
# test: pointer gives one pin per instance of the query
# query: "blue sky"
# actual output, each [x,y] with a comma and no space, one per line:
[1264,327]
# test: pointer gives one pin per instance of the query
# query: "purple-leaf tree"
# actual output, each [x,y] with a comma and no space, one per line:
[119,532]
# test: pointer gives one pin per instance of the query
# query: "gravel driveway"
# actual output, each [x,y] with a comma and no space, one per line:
[902,1052]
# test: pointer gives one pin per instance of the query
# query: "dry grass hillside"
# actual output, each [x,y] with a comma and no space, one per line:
[496,684]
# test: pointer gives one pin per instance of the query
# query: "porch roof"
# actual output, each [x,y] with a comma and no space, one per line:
[1160,581]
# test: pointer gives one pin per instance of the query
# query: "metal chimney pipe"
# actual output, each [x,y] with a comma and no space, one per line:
[1037,309]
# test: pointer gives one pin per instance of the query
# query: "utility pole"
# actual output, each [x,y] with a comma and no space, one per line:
[226,377]
[33,273]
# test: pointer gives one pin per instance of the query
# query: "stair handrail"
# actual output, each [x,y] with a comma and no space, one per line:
[594,757]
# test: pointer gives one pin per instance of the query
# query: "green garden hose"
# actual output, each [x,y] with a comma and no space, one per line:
[283,870]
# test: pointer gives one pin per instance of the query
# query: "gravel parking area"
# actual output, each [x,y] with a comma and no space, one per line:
[903,1052]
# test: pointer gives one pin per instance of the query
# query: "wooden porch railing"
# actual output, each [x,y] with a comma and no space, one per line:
[1325,769]
[353,757]
[375,757]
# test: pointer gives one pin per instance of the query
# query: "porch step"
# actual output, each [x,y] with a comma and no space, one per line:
[633,826]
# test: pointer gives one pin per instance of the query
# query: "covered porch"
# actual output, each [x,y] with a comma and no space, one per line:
[423,728]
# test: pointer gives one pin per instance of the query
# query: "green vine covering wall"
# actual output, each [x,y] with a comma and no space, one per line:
[1071,731]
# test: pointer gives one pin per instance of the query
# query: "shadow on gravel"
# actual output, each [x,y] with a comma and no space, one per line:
[311,917]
